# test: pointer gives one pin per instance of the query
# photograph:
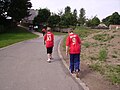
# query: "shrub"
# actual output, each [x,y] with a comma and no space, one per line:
[102,55]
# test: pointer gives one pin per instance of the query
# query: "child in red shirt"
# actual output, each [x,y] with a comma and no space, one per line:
[43,31]
[49,40]
[73,43]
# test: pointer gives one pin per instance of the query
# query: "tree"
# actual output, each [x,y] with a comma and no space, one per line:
[60,13]
[43,15]
[92,22]
[82,16]
[95,21]
[4,5]
[75,16]
[19,9]
[67,9]
[112,19]
[88,22]
[54,20]
[106,21]
[67,19]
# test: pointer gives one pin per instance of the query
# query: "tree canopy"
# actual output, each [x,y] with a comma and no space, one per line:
[42,17]
[112,19]
[54,20]
[82,16]
[17,9]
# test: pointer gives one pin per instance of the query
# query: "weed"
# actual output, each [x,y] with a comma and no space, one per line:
[94,44]
[102,55]
[113,73]
[103,37]
[87,44]
[97,67]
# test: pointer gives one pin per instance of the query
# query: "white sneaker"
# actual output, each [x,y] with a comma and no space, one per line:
[49,60]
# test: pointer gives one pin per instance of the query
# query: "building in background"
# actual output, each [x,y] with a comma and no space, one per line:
[116,27]
[29,20]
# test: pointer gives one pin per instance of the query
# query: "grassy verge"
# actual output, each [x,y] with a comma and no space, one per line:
[84,32]
[111,72]
[15,35]
[103,37]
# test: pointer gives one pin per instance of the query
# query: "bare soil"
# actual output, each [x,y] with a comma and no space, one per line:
[94,80]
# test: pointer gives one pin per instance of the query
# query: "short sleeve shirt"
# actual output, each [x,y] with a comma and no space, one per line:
[74,43]
[49,39]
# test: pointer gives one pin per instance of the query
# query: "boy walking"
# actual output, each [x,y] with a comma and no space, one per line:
[73,45]
[43,31]
[49,40]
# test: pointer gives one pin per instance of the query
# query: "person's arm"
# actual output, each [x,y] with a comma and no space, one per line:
[67,48]
[53,39]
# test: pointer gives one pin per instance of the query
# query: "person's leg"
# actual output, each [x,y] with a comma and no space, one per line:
[43,33]
[51,49]
[48,54]
[77,62]
[71,63]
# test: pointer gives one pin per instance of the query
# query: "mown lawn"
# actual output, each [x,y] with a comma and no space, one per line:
[15,35]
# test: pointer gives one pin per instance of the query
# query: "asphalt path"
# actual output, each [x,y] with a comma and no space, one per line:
[24,66]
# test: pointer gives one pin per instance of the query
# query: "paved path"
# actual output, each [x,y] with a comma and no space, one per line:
[23,66]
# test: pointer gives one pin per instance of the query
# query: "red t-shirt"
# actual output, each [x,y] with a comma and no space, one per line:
[49,39]
[74,43]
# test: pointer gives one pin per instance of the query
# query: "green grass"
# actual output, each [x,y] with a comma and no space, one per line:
[102,55]
[87,44]
[64,43]
[98,67]
[59,33]
[15,35]
[103,37]
[84,32]
[113,74]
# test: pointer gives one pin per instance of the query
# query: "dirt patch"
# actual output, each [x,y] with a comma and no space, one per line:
[89,55]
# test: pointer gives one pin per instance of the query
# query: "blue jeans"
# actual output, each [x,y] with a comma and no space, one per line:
[74,62]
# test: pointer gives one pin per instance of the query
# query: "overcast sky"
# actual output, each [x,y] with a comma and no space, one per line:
[101,8]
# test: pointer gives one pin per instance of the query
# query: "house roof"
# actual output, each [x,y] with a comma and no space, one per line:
[33,14]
